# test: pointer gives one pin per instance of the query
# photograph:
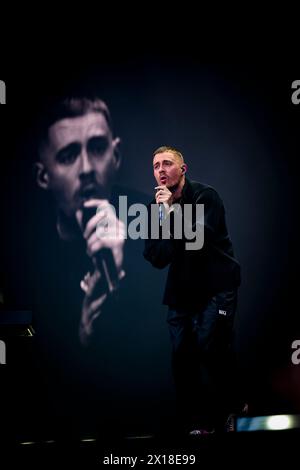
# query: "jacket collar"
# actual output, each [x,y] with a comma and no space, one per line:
[187,191]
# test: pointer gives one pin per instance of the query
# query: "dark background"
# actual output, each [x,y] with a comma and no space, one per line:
[239,132]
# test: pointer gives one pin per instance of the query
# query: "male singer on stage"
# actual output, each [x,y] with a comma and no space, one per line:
[201,295]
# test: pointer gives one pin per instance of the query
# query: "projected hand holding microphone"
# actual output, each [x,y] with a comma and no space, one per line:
[105,236]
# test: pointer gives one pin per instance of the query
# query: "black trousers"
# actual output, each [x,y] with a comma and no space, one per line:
[203,360]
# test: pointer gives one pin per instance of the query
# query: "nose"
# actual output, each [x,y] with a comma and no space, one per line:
[86,166]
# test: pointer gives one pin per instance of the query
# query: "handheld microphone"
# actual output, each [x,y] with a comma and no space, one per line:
[104,258]
[160,213]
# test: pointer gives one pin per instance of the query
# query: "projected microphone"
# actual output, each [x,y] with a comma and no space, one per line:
[104,258]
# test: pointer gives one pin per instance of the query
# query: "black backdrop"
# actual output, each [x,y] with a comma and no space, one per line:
[238,130]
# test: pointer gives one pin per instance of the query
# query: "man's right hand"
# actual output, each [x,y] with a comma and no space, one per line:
[163,195]
[91,306]
[104,230]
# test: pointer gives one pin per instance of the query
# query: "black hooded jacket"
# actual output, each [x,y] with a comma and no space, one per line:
[196,275]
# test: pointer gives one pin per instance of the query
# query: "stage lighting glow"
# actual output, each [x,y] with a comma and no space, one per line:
[279,422]
[268,423]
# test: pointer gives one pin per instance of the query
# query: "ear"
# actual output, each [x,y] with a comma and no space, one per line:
[184,168]
[117,152]
[42,177]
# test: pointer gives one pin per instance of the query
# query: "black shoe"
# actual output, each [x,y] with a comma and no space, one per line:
[201,432]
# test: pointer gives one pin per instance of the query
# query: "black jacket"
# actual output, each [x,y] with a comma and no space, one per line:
[195,276]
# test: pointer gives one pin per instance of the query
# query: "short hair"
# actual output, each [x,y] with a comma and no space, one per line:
[166,148]
[69,107]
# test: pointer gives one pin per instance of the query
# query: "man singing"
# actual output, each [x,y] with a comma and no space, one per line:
[201,295]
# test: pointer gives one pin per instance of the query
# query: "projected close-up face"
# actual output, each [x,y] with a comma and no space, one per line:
[78,161]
